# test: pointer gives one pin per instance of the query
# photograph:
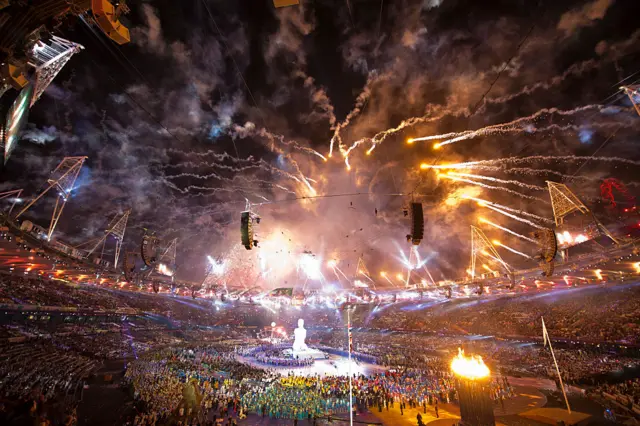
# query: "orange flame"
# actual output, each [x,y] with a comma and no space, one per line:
[469,367]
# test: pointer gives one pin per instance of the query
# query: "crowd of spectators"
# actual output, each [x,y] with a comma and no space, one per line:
[415,339]
[626,393]
[40,378]
[591,314]
[587,314]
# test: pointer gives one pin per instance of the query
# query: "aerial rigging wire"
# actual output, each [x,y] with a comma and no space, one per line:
[222,39]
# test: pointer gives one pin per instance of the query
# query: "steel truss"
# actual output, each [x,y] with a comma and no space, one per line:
[62,179]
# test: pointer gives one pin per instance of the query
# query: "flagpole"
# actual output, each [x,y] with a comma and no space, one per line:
[546,338]
[350,386]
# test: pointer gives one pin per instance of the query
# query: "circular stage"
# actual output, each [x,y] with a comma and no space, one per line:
[326,365]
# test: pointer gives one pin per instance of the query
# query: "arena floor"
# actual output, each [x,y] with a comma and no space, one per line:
[334,365]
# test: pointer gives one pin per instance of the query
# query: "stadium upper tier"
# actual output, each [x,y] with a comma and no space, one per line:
[596,313]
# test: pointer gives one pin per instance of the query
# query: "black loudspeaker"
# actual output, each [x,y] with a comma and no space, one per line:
[417,223]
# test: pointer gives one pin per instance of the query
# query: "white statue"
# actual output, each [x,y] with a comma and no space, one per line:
[300,334]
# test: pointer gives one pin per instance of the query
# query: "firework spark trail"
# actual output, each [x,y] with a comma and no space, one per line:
[410,122]
[204,164]
[442,136]
[492,179]
[512,126]
[303,179]
[483,185]
[516,170]
[575,69]
[249,129]
[319,96]
[497,259]
[512,216]
[219,157]
[381,136]
[540,172]
[361,101]
[529,129]
[507,230]
[509,209]
[524,160]
[499,244]
[260,165]
[233,179]
[211,191]
[273,138]
[257,164]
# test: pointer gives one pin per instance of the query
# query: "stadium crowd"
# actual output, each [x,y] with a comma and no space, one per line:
[204,381]
[587,314]
[208,383]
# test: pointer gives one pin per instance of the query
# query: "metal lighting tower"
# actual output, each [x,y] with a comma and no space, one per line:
[481,246]
[361,269]
[168,255]
[116,228]
[62,178]
[632,91]
[563,202]
[15,193]
[48,60]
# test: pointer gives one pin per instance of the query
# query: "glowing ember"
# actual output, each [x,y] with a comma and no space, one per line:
[469,367]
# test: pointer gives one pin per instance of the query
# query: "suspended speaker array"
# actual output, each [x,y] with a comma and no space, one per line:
[417,224]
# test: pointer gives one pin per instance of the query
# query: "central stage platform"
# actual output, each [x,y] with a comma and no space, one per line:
[334,366]
[309,353]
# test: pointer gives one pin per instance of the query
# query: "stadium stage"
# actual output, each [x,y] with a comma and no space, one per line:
[332,366]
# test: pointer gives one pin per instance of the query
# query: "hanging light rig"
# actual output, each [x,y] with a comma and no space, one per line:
[247,221]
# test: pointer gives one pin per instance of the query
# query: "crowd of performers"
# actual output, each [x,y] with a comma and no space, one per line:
[274,355]
[207,384]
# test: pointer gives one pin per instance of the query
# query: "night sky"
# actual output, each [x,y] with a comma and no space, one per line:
[213,103]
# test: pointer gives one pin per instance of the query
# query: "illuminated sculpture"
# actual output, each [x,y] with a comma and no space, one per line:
[300,334]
